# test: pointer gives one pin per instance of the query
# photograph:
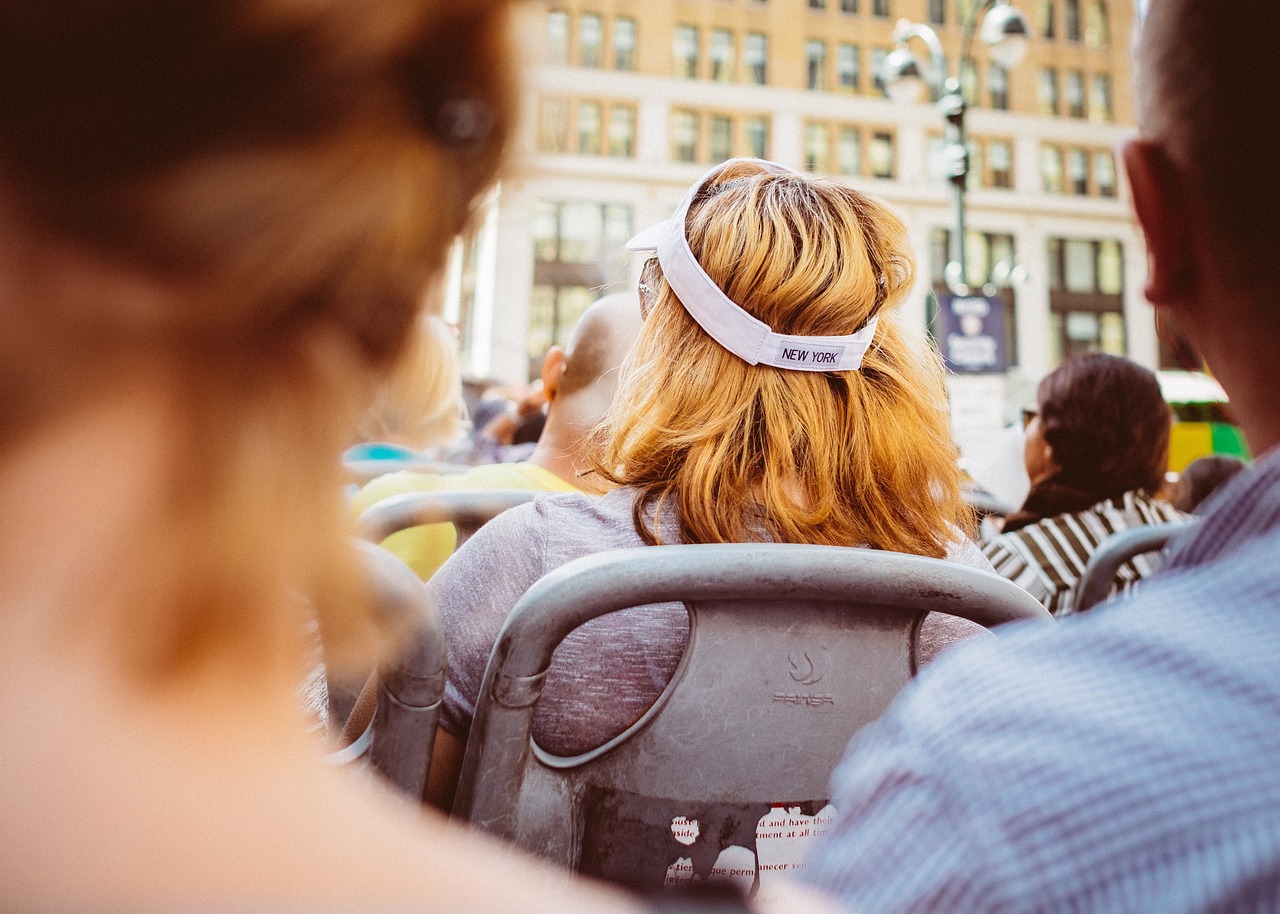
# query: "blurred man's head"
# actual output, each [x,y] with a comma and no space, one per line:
[1208,94]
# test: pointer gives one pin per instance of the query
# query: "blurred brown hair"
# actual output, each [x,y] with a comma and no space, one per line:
[285,177]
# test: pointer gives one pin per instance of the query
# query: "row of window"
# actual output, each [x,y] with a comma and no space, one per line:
[1090,24]
[848,149]
[701,137]
[589,49]
[586,127]
[722,57]
[578,249]
[842,71]
[1086,288]
[1096,107]
[880,8]
[990,162]
[1078,171]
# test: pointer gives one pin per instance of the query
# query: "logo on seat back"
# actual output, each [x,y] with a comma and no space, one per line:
[808,667]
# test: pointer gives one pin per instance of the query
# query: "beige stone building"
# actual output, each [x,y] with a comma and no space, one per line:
[631,100]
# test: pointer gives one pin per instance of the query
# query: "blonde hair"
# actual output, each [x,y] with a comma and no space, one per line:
[740,452]
[420,404]
[289,175]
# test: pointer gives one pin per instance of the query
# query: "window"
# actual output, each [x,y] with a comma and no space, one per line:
[1072,8]
[758,137]
[589,128]
[817,148]
[848,68]
[577,249]
[721,53]
[848,6]
[1100,104]
[685,52]
[989,267]
[553,125]
[1086,297]
[815,53]
[558,37]
[1104,171]
[1075,93]
[849,151]
[684,136]
[622,131]
[1078,172]
[1097,30]
[721,138]
[1051,169]
[1045,16]
[998,87]
[969,81]
[1048,91]
[757,55]
[1000,163]
[624,43]
[590,40]
[881,155]
[817,4]
[877,70]
[881,8]
[938,12]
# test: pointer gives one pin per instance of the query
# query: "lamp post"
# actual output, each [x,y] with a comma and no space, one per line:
[1004,31]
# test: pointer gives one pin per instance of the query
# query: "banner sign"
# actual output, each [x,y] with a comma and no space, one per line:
[971,333]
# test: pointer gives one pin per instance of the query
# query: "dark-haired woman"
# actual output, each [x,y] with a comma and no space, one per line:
[1096,450]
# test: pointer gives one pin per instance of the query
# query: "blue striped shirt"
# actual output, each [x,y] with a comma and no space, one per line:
[1128,760]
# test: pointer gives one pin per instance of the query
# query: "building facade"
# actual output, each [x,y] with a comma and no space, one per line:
[632,100]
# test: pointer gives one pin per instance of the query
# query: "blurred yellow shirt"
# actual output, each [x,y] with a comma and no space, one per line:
[424,549]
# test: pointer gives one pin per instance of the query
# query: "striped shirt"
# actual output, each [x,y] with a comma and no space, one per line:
[1124,760]
[1047,558]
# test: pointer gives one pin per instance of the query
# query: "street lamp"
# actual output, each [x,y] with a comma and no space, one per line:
[1004,31]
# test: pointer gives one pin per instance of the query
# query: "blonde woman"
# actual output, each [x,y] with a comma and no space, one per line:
[770,397]
[217,220]
[419,406]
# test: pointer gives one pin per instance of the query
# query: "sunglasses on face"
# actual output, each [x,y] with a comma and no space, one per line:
[1029,416]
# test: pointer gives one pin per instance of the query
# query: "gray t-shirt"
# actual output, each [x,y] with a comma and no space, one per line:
[608,672]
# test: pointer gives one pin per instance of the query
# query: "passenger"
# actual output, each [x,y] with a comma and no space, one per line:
[829,429]
[217,220]
[419,406]
[578,385]
[1123,760]
[1096,450]
[1203,477]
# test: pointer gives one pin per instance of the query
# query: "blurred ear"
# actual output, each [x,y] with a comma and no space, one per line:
[554,364]
[1164,213]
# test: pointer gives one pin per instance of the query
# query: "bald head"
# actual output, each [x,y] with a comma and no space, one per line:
[600,342]
[1208,89]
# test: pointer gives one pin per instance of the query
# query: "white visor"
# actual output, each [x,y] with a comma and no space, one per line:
[748,338]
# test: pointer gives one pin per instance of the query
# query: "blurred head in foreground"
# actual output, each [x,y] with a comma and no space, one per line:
[231,210]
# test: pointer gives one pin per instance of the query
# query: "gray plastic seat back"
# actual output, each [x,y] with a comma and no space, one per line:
[1100,572]
[401,733]
[467,509]
[792,649]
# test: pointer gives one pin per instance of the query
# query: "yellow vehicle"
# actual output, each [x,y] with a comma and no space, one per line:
[1202,423]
